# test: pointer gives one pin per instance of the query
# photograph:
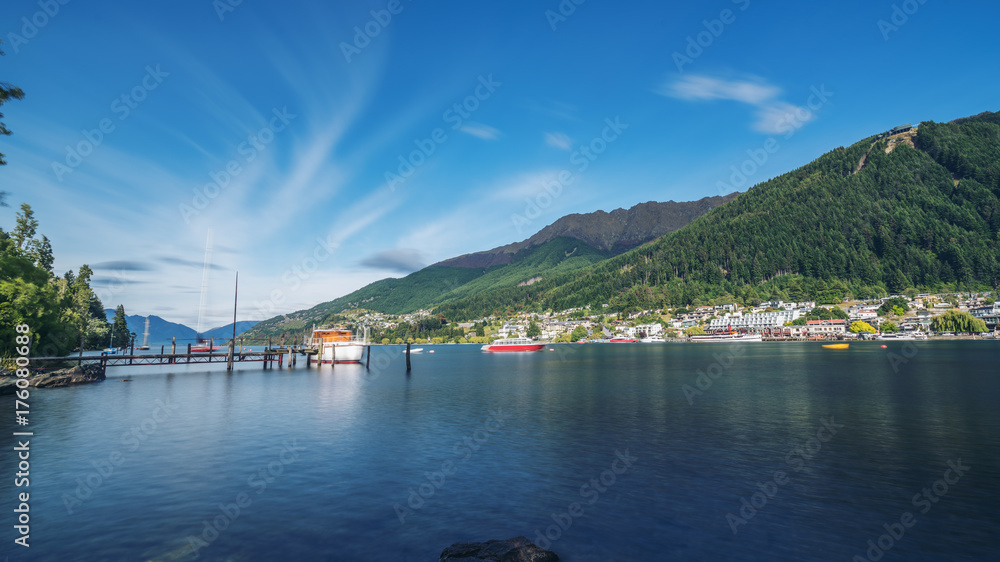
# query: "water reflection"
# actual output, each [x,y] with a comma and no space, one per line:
[372,436]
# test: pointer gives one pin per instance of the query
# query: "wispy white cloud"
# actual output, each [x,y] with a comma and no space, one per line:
[480,130]
[778,117]
[521,186]
[772,114]
[693,87]
[559,140]
[552,108]
[403,260]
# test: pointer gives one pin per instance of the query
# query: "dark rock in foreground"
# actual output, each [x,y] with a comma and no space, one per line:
[517,549]
[68,377]
[63,377]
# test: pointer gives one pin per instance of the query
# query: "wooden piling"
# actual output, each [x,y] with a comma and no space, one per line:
[368,355]
[189,353]
[407,356]
[232,352]
[173,349]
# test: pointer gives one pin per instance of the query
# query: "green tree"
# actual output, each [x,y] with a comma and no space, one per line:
[24,229]
[578,333]
[859,326]
[695,331]
[533,330]
[896,305]
[119,329]
[889,327]
[959,322]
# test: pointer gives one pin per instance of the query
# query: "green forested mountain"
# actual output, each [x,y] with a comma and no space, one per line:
[570,243]
[923,216]
[437,284]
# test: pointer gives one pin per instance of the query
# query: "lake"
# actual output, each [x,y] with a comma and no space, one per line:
[600,452]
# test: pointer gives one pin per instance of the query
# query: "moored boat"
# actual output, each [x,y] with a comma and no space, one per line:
[204,346]
[900,336]
[513,344]
[339,345]
[623,340]
[728,337]
[145,337]
[836,345]
[652,339]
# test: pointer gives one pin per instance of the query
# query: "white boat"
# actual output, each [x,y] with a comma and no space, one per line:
[513,344]
[145,337]
[339,345]
[900,336]
[728,337]
[652,339]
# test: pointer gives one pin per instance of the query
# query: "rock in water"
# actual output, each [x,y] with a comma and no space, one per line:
[69,377]
[517,549]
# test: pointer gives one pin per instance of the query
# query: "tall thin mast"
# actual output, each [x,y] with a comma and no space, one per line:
[236,295]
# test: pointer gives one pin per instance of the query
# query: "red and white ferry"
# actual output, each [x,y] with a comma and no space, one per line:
[204,346]
[513,344]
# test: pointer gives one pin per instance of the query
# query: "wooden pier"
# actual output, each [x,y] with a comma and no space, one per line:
[268,357]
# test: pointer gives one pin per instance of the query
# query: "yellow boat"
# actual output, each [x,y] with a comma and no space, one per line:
[836,345]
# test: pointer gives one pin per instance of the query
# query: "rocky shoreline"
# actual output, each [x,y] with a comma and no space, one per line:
[63,377]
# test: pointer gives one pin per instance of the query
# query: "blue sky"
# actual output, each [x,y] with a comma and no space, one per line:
[316,147]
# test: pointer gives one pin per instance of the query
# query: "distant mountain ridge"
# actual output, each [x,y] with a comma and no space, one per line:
[570,243]
[615,232]
[162,331]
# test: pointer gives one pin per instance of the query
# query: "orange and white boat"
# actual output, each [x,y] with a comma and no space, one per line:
[339,345]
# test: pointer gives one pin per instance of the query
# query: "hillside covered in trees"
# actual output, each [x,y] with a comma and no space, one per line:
[925,217]
[58,310]
[570,243]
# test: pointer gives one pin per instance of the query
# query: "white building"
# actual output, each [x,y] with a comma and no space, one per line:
[512,331]
[755,321]
[653,329]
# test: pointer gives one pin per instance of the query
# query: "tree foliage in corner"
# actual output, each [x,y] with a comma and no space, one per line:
[59,311]
[7,92]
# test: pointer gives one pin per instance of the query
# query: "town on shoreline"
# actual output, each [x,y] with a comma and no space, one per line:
[914,316]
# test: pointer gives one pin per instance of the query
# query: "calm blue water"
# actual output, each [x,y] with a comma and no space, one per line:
[321,463]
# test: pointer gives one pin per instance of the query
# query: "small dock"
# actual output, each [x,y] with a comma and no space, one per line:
[268,357]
